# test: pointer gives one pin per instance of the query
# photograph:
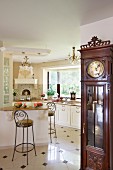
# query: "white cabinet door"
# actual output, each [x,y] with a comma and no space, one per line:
[63,115]
[75,113]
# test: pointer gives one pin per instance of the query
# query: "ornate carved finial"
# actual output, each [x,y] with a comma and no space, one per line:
[95,42]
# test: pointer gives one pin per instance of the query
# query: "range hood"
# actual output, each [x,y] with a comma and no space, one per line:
[26,81]
[26,75]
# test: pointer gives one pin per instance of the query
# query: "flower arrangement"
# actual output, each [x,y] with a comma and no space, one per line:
[18,104]
[38,104]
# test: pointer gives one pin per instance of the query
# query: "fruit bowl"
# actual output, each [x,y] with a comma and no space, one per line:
[38,104]
[18,105]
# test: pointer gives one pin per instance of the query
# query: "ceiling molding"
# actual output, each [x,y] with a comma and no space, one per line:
[25,51]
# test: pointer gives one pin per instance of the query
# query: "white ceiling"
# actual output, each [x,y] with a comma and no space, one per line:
[48,24]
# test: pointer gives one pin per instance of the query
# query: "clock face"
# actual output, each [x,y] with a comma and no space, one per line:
[95,69]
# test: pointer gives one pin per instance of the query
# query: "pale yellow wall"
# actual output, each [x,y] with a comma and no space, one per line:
[39,70]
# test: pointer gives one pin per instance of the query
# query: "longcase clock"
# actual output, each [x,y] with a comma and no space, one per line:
[97,105]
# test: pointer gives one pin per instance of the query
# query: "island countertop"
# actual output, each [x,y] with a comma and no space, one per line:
[13,108]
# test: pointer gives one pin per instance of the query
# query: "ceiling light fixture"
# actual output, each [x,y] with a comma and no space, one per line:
[26,70]
[25,62]
[73,59]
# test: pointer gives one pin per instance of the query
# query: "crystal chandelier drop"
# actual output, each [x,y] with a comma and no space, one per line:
[73,59]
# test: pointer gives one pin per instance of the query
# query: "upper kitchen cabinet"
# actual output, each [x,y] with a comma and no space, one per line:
[6,77]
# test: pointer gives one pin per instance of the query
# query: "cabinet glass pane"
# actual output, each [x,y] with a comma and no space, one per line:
[6,61]
[6,99]
[6,80]
[95,117]
[6,71]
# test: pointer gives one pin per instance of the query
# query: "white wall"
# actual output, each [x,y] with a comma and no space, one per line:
[102,29]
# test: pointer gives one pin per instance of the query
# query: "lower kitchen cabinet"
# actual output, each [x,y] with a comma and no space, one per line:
[63,115]
[75,116]
[67,115]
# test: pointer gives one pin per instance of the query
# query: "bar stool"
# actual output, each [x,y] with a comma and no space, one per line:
[22,121]
[51,112]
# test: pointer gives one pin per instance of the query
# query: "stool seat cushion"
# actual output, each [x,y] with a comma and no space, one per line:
[25,123]
[51,113]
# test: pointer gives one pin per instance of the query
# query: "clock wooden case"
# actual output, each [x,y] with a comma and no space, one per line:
[96,105]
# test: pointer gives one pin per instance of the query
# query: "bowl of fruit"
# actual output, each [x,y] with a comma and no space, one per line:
[38,104]
[18,104]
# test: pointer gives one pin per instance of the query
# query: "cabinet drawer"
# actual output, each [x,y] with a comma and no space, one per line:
[63,107]
[78,109]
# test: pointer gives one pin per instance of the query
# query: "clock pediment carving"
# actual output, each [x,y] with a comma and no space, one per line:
[95,41]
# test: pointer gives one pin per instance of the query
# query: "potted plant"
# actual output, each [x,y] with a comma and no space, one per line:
[50,93]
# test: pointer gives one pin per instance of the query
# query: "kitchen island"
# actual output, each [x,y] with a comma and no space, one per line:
[39,116]
[68,112]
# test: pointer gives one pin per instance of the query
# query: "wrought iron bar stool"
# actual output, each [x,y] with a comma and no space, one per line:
[51,113]
[22,121]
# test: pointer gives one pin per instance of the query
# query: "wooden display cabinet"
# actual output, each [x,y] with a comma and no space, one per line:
[96,105]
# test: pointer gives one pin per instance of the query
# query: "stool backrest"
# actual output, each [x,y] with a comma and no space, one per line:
[20,115]
[51,106]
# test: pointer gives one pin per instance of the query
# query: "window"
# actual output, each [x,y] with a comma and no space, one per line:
[65,81]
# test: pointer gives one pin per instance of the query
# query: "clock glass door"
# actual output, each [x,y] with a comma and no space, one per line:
[95,118]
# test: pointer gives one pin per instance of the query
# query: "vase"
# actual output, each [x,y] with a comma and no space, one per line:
[14,98]
[49,97]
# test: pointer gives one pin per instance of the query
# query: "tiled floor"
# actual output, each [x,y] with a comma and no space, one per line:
[63,153]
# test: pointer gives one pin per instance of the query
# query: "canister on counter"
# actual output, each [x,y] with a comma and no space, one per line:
[73,96]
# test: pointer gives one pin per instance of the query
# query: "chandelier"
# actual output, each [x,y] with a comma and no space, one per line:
[26,70]
[25,62]
[73,59]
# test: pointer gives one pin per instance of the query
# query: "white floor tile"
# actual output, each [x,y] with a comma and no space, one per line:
[63,153]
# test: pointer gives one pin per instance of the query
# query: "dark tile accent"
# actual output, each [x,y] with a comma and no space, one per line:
[45,164]
[72,141]
[4,156]
[23,166]
[77,149]
[43,153]
[57,143]
[60,151]
[24,155]
[55,137]
[65,161]
[62,127]
[64,131]
[76,130]
[67,135]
